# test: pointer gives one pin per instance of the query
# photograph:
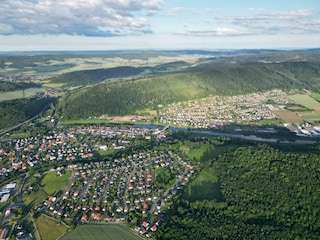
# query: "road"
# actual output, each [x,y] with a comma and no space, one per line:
[21,124]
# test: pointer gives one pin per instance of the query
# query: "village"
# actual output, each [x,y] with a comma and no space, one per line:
[134,188]
[218,110]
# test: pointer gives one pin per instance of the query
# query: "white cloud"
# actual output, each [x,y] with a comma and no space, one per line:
[262,21]
[76,17]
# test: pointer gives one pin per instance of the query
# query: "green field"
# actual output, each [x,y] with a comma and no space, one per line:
[205,186]
[100,232]
[305,100]
[34,198]
[52,183]
[197,153]
[49,229]
[6,96]
[310,116]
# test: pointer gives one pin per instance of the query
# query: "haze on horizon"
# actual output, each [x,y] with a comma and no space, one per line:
[35,25]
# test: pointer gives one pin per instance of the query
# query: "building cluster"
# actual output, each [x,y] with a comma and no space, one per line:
[72,144]
[217,110]
[122,189]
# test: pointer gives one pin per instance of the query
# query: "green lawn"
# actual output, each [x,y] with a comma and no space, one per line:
[49,229]
[100,232]
[52,183]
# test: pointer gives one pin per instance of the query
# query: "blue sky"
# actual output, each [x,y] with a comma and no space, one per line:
[158,24]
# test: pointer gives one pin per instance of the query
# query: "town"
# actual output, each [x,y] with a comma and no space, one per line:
[134,188]
[219,110]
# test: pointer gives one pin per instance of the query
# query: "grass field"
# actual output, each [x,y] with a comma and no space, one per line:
[49,229]
[205,186]
[52,183]
[197,153]
[305,100]
[35,198]
[19,94]
[310,116]
[100,232]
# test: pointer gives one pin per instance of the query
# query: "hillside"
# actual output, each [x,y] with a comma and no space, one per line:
[122,98]
[226,76]
[87,77]
[19,110]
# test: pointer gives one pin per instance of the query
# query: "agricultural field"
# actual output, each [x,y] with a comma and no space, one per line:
[100,232]
[6,96]
[288,116]
[305,100]
[311,116]
[49,229]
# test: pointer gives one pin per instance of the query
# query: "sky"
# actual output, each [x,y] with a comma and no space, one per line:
[41,25]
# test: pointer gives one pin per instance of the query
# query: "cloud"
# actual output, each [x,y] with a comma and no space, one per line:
[263,21]
[219,31]
[76,17]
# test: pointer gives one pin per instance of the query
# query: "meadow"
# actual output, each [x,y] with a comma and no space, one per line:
[204,187]
[53,183]
[305,100]
[49,229]
[6,96]
[100,232]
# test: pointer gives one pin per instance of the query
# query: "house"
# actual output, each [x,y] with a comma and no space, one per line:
[3,233]
[145,224]
[154,228]
[96,216]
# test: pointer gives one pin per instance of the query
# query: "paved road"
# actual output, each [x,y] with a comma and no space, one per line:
[21,124]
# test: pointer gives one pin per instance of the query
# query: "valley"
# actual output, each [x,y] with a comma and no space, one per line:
[214,144]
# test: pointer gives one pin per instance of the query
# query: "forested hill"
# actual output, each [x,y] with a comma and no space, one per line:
[224,77]
[86,77]
[237,78]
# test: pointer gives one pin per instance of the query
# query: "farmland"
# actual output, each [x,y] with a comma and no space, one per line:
[97,232]
[305,100]
[308,102]
[288,116]
[30,92]
[50,229]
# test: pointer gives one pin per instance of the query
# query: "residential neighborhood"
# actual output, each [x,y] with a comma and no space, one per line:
[134,188]
[220,110]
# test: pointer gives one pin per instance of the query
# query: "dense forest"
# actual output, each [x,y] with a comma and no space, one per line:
[87,77]
[265,192]
[17,111]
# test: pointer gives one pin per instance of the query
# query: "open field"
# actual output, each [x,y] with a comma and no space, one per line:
[288,116]
[305,100]
[205,186]
[6,96]
[310,116]
[53,183]
[100,232]
[35,198]
[49,229]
